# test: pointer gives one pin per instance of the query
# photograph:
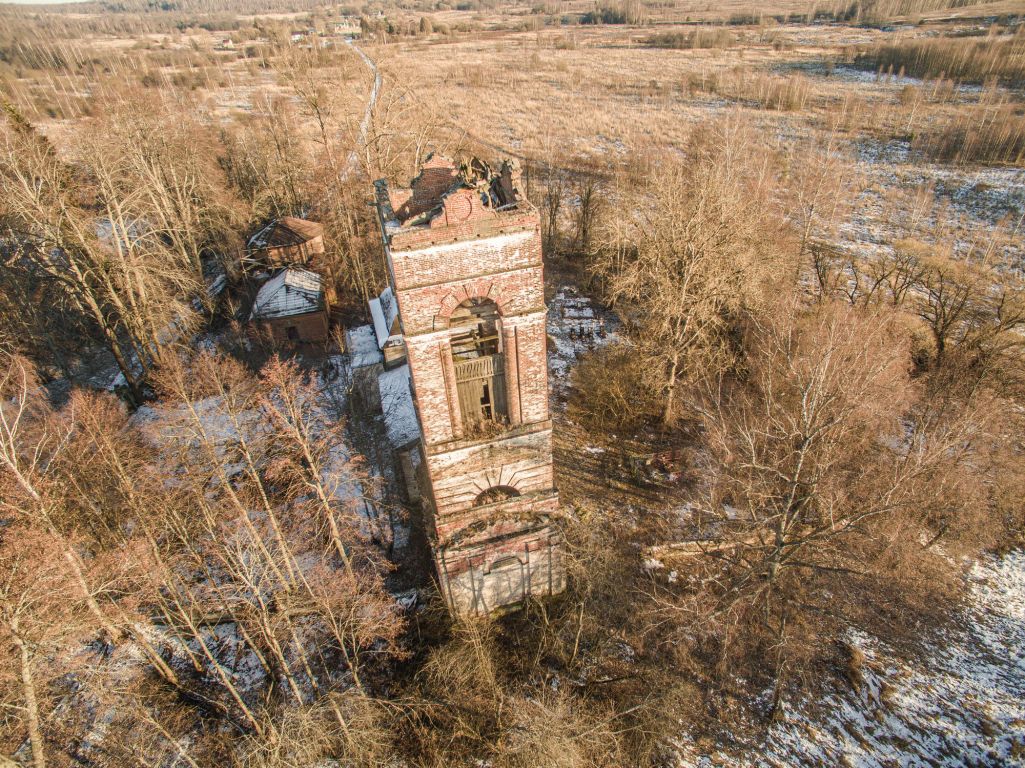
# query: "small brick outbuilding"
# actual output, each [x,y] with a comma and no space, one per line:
[294,307]
[289,241]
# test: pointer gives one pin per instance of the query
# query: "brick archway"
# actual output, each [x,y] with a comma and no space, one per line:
[494,494]
[467,292]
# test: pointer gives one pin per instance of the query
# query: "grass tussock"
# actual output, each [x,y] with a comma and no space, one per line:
[967,59]
[988,130]
[698,38]
[773,92]
[985,133]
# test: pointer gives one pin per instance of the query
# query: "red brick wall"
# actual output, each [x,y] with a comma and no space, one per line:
[478,524]
[501,223]
[433,281]
[427,309]
[437,176]
[312,328]
[422,262]
[469,251]
[522,461]
[531,364]
[426,357]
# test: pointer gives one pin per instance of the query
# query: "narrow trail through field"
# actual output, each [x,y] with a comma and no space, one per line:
[364,125]
[503,151]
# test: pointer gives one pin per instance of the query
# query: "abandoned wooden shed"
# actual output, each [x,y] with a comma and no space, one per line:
[289,241]
[294,307]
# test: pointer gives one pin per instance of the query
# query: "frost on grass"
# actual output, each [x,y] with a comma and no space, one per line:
[575,327]
[961,703]
[972,199]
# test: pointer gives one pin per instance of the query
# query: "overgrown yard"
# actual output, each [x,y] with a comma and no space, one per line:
[785,292]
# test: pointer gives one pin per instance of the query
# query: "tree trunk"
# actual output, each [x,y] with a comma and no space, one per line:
[28,688]
[667,413]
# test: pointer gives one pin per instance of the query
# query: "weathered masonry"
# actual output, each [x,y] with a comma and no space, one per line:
[463,250]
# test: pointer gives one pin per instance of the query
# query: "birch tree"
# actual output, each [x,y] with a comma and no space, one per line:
[39,614]
[84,232]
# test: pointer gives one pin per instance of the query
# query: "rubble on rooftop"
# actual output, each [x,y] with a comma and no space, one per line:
[443,193]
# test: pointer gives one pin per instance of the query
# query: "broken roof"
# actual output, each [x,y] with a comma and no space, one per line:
[286,231]
[442,192]
[290,292]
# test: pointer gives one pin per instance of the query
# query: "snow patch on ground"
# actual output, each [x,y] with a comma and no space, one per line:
[576,326]
[397,405]
[975,198]
[961,704]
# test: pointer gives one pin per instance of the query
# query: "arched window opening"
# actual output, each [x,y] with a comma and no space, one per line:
[495,494]
[509,561]
[475,323]
[479,365]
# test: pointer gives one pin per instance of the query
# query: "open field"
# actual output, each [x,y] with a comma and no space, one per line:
[784,277]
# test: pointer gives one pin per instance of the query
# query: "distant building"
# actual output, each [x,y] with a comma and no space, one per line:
[288,241]
[346,27]
[294,307]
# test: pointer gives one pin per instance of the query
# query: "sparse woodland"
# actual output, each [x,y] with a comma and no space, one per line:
[813,256]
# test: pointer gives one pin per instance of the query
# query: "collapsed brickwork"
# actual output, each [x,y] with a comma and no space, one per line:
[463,249]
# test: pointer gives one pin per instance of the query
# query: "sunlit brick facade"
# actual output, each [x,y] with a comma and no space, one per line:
[463,250]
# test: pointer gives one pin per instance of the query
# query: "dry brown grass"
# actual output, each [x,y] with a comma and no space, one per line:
[987,133]
[781,93]
[606,97]
[971,59]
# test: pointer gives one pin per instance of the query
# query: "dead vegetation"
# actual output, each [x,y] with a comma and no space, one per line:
[997,58]
[848,409]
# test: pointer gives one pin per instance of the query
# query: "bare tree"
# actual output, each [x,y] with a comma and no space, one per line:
[266,162]
[38,615]
[827,465]
[316,77]
[821,186]
[903,269]
[169,167]
[590,202]
[113,265]
[968,303]
[697,252]
[273,579]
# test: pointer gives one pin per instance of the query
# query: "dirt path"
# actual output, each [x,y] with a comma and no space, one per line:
[364,125]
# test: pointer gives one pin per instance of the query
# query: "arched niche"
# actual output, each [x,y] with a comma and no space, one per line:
[495,494]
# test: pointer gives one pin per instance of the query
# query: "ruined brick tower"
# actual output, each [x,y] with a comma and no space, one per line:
[463,250]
